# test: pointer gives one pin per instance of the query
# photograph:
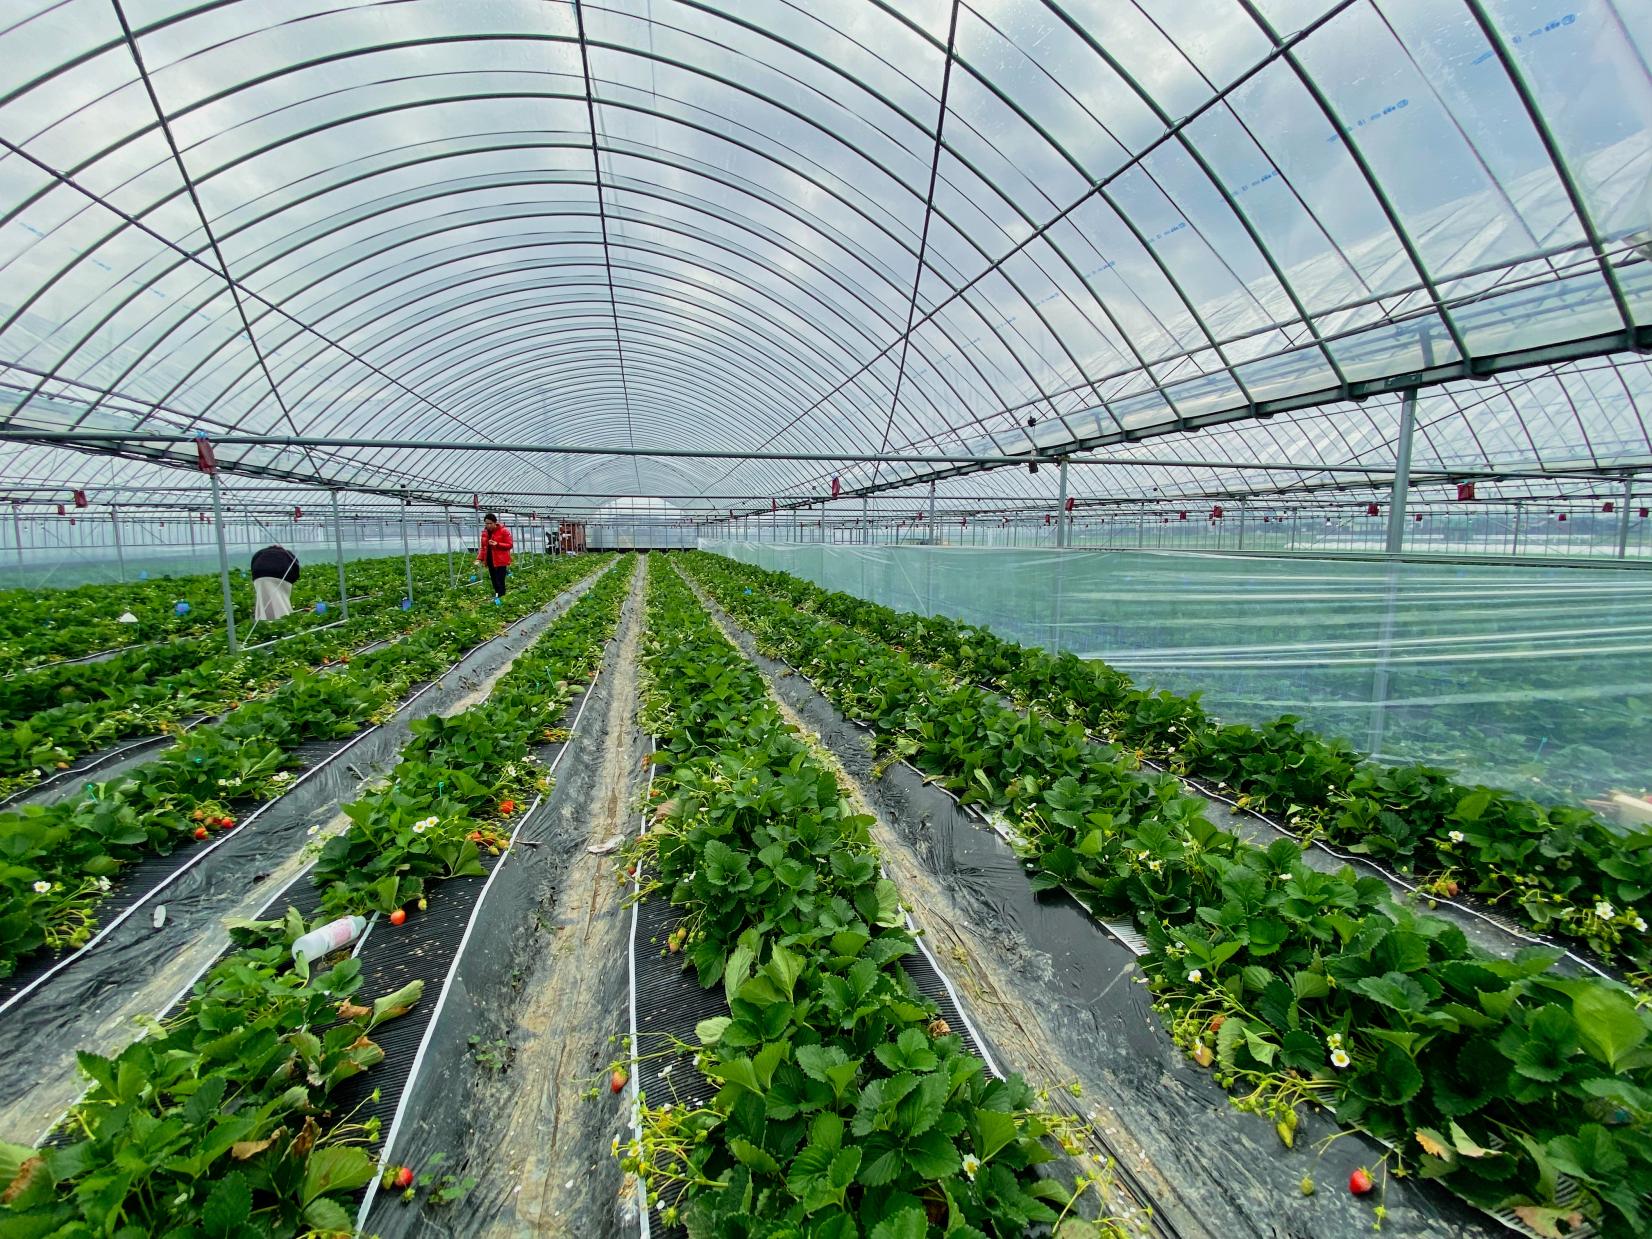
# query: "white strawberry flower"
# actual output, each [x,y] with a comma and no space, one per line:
[1196,976]
[972,1163]
[42,888]
[1605,910]
[1340,1059]
[1456,836]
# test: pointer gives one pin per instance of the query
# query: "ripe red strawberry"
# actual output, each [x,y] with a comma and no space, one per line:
[617,1081]
[507,807]
[404,1177]
[1359,1183]
[200,832]
[399,916]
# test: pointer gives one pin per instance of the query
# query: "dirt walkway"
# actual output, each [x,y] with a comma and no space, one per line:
[549,1170]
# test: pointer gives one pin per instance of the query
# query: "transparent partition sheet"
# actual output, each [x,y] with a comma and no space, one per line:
[1536,679]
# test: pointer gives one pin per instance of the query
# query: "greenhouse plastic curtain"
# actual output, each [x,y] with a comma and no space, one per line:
[1533,679]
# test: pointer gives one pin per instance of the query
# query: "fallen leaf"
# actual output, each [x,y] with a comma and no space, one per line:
[1546,1221]
[243,1149]
[1434,1145]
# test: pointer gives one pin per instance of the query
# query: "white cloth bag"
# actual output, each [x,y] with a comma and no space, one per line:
[274,598]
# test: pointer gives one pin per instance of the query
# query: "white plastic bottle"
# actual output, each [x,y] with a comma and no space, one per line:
[329,937]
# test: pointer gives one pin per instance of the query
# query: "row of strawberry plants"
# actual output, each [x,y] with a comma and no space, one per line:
[136,695]
[58,861]
[845,1106]
[221,1124]
[1558,868]
[1296,986]
[461,778]
[40,627]
[30,691]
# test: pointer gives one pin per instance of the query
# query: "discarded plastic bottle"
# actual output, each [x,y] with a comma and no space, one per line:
[320,608]
[407,604]
[181,609]
[330,937]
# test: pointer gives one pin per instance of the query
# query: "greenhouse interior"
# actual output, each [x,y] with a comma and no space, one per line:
[885,619]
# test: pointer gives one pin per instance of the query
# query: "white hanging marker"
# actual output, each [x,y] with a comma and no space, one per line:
[126,617]
[159,918]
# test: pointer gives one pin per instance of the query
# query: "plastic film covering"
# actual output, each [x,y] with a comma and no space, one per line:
[827,227]
[1534,679]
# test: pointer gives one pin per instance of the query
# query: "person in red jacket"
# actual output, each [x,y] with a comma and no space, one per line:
[495,552]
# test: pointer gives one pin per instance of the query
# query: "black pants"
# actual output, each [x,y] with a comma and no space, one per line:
[497,576]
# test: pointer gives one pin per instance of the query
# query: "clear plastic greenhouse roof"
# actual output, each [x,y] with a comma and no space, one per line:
[856,227]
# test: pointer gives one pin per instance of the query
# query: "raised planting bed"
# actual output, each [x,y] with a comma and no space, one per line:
[1516,1086]
[158,692]
[43,627]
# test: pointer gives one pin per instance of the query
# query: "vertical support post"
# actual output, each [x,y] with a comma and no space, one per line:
[120,551]
[17,532]
[1623,517]
[447,531]
[1061,506]
[407,555]
[930,531]
[1514,547]
[223,560]
[1241,515]
[1402,473]
[338,549]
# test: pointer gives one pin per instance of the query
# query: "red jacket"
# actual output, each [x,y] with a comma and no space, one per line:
[495,551]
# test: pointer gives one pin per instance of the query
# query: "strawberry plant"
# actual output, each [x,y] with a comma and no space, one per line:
[219,1122]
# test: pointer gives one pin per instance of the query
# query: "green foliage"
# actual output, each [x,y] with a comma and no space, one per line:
[210,1125]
